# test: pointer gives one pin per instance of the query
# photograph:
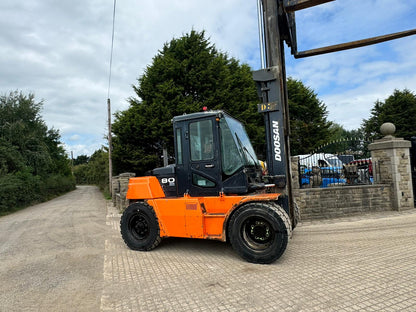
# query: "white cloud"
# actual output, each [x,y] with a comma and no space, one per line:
[349,108]
[74,137]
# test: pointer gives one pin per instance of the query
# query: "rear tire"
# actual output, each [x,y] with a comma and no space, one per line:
[139,227]
[259,232]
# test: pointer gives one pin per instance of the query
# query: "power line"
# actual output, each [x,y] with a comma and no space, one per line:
[112,47]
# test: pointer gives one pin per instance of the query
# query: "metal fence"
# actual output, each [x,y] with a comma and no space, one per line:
[339,163]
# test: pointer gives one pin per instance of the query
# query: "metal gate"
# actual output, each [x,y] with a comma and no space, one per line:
[413,166]
[338,163]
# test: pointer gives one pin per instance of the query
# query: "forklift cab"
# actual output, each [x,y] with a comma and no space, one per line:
[213,155]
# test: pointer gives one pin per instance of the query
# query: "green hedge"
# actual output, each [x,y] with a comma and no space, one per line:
[23,189]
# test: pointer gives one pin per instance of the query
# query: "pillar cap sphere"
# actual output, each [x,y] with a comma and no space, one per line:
[387,128]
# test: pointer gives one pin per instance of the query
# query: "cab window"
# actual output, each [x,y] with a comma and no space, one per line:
[179,159]
[201,139]
[201,181]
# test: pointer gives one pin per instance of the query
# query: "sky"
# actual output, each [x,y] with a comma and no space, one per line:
[60,52]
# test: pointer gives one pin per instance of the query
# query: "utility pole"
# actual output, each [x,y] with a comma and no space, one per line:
[72,162]
[110,162]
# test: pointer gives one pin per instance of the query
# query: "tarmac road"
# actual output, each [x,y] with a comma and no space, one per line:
[67,255]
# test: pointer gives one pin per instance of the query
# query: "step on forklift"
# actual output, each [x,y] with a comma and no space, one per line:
[216,188]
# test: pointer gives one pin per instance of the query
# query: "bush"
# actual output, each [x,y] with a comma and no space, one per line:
[9,192]
[81,174]
[56,184]
[95,171]
[23,189]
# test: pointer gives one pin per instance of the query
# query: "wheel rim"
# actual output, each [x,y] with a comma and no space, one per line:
[139,226]
[258,233]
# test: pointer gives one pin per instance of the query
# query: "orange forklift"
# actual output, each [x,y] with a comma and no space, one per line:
[217,189]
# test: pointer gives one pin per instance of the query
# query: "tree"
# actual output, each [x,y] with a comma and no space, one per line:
[349,142]
[400,109]
[186,75]
[33,164]
[309,127]
[92,170]
[98,168]
[339,133]
[81,159]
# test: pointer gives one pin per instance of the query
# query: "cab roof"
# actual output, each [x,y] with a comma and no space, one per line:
[193,116]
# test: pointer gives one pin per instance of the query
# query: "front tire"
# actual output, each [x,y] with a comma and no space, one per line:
[259,232]
[139,227]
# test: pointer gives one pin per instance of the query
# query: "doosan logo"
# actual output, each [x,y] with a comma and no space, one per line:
[276,141]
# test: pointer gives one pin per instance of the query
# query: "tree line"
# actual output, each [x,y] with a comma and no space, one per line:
[33,164]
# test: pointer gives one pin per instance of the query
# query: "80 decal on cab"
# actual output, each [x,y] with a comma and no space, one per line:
[168,181]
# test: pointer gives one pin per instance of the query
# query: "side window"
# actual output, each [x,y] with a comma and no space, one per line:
[179,159]
[201,139]
[201,181]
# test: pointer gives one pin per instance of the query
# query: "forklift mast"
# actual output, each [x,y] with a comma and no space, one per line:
[271,106]
[276,27]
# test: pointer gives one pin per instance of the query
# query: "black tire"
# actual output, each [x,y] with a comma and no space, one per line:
[139,227]
[259,232]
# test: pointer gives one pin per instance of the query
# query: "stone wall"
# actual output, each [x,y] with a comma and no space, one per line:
[332,202]
[119,185]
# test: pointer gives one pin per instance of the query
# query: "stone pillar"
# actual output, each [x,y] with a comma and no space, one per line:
[124,179]
[119,186]
[294,163]
[115,188]
[391,165]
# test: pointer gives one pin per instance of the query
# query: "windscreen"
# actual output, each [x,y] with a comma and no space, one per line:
[236,148]
[335,162]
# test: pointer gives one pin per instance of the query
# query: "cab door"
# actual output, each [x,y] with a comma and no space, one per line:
[204,175]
